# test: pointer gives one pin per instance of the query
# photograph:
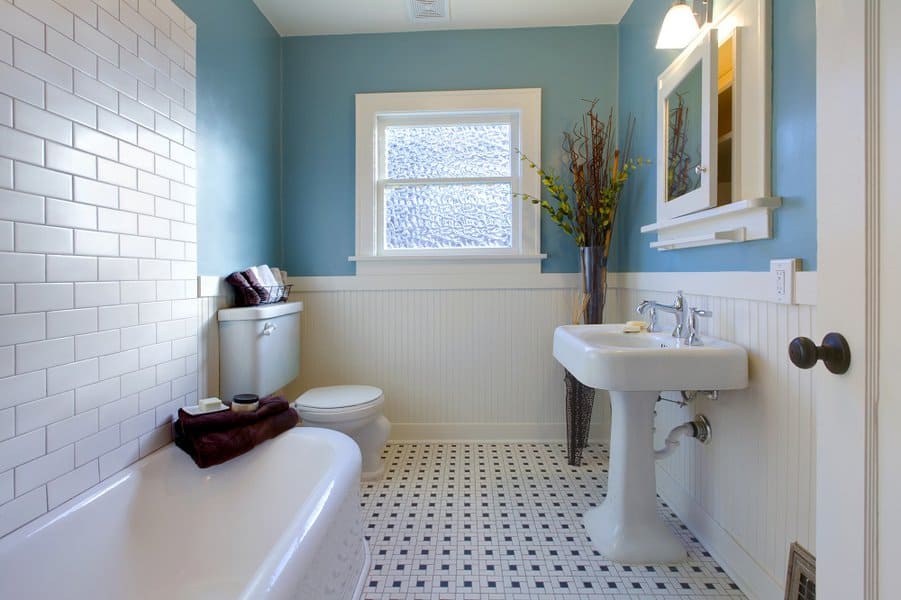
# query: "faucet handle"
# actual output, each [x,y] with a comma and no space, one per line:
[643,306]
[693,338]
[648,309]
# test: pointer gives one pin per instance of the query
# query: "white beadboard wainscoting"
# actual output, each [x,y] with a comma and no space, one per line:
[750,492]
[459,360]
[98,302]
[469,362]
[214,294]
[454,364]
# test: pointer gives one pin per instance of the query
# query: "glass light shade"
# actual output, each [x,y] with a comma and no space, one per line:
[678,29]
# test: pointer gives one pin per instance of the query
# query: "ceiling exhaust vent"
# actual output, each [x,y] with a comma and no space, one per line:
[426,12]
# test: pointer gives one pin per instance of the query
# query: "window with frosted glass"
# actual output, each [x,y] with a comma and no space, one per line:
[447,186]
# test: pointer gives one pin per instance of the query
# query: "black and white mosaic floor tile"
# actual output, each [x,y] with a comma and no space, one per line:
[504,521]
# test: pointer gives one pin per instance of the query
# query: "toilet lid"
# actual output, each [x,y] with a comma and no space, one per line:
[339,396]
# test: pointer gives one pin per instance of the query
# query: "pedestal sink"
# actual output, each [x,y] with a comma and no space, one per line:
[634,368]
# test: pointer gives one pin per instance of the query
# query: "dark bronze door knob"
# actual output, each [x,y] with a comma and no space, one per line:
[834,352]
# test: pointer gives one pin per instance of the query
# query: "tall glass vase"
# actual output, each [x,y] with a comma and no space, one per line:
[593,263]
[580,397]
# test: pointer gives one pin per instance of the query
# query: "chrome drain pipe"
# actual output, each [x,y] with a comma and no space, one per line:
[698,428]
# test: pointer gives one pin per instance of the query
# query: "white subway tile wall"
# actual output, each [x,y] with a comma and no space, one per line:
[98,307]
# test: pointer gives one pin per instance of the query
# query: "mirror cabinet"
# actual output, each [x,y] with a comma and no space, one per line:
[713,135]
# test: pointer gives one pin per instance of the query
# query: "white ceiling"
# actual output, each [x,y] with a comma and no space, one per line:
[321,17]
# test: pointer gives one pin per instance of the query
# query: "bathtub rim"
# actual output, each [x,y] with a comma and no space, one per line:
[338,473]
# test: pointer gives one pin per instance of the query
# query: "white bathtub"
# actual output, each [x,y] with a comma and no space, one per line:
[281,522]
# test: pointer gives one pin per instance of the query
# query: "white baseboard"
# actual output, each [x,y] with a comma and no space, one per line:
[489,432]
[753,579]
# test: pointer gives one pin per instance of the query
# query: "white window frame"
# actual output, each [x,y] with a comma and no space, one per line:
[375,111]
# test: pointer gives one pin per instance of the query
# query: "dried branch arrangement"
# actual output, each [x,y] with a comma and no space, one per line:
[599,172]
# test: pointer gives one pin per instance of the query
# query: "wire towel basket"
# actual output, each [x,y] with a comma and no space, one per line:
[251,297]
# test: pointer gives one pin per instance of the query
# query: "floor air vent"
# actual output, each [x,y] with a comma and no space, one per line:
[428,11]
[801,581]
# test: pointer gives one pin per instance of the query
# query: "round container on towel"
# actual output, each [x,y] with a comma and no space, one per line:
[245,402]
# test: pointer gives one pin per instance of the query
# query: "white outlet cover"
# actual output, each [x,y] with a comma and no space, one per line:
[782,279]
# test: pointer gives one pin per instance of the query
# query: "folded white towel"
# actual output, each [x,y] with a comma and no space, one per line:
[277,274]
[266,277]
[287,283]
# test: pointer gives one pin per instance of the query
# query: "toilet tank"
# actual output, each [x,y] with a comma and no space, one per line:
[259,348]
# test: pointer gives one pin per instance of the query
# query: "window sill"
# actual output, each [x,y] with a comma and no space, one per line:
[740,221]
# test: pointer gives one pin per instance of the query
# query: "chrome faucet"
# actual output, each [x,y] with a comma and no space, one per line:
[679,310]
[686,327]
[648,311]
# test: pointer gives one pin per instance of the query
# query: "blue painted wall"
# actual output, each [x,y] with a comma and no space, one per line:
[254,87]
[239,135]
[794,145]
[322,74]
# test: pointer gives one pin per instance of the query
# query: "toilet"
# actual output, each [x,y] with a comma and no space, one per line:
[259,353]
[355,410]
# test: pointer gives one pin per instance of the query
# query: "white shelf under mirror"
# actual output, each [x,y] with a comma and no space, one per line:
[739,221]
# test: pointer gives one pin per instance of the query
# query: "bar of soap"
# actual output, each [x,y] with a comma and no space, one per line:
[631,328]
[642,325]
[209,404]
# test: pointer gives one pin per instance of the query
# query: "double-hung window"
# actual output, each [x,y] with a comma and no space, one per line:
[437,174]
[446,183]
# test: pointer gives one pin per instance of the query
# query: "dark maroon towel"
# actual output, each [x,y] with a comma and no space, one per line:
[244,291]
[258,287]
[213,438]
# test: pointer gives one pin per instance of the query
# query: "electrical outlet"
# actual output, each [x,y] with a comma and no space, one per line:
[782,279]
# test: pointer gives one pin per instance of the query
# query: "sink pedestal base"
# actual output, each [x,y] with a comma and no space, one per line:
[626,528]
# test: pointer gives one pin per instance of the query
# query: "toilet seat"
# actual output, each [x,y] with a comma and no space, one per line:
[340,400]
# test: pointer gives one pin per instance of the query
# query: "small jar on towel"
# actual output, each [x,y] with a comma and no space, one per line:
[245,403]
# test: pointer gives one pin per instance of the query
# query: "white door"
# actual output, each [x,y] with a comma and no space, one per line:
[889,421]
[858,166]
